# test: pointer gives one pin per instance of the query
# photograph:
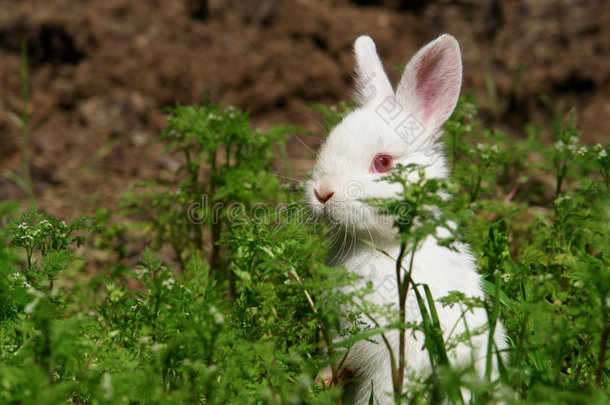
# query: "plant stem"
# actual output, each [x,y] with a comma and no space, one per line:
[493,319]
[216,228]
[393,366]
[325,331]
[194,189]
[402,302]
[560,176]
[25,122]
[403,289]
[477,187]
[603,347]
[454,149]
[28,255]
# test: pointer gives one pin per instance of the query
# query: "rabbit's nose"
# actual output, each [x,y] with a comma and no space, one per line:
[323,195]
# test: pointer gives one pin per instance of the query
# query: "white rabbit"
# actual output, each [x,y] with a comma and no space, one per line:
[389,128]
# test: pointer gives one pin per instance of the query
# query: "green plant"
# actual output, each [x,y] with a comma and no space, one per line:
[190,333]
[226,169]
[22,121]
[46,242]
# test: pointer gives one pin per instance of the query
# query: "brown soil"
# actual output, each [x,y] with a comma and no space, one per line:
[102,72]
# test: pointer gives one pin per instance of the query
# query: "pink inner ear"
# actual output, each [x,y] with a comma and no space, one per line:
[437,74]
[430,86]
[430,82]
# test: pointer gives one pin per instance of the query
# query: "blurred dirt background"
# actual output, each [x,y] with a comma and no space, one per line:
[103,71]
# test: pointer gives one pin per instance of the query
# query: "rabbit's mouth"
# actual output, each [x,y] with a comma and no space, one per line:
[345,212]
[358,219]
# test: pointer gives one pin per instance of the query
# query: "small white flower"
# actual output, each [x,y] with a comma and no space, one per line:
[218,317]
[573,140]
[582,151]
[169,283]
[560,146]
[29,308]
[23,225]
[231,111]
[36,293]
[107,385]
[495,149]
[562,198]
[16,276]
[572,147]
[157,347]
[602,154]
[544,277]
[578,284]
[480,146]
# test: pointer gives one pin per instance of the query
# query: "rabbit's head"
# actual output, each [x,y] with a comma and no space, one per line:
[388,128]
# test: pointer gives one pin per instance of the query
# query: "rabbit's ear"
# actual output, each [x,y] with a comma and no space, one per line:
[372,84]
[430,85]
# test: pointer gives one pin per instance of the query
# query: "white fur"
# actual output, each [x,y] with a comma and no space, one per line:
[428,93]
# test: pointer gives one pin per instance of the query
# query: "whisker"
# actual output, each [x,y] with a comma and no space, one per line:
[337,234]
[315,119]
[354,238]
[340,251]
[279,212]
[304,144]
[289,178]
[298,214]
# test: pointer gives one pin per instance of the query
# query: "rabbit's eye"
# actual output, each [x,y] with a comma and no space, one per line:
[382,163]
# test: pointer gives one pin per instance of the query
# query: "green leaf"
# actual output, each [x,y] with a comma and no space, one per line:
[490,289]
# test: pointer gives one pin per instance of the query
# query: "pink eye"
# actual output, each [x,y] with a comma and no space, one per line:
[382,163]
